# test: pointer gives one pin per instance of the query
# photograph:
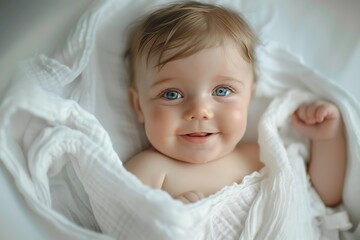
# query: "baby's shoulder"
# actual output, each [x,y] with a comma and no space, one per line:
[149,166]
[149,159]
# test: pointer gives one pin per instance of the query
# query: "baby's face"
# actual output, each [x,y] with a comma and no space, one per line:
[195,109]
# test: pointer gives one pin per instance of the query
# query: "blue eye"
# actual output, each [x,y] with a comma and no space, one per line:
[222,91]
[171,95]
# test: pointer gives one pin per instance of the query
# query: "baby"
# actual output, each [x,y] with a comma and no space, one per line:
[192,67]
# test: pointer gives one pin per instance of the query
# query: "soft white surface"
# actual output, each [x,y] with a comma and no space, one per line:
[301,35]
[60,131]
[27,28]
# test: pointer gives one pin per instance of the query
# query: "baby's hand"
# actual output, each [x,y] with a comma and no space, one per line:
[318,120]
[190,196]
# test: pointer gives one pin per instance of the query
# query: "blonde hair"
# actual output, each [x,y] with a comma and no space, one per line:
[182,29]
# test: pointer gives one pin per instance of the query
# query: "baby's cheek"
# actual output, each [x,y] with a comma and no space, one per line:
[236,121]
[236,116]
[161,116]
[158,120]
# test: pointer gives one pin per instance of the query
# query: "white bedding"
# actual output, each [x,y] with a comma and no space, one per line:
[99,91]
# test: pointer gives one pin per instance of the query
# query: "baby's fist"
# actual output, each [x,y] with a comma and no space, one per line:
[318,120]
[190,196]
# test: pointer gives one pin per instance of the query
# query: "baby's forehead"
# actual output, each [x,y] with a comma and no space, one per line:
[159,60]
[222,61]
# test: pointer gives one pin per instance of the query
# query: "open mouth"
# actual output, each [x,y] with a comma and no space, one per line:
[201,134]
[198,137]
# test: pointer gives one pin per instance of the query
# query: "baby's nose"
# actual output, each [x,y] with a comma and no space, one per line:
[199,109]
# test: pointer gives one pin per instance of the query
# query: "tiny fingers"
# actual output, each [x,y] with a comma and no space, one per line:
[190,197]
[318,120]
[306,113]
[320,113]
[312,113]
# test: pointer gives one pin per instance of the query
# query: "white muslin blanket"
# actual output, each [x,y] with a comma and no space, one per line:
[48,125]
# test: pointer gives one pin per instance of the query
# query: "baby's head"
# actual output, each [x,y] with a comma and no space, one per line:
[180,30]
[192,68]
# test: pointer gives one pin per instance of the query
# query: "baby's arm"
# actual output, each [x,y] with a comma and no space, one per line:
[322,123]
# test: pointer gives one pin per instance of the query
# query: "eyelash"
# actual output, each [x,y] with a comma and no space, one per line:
[228,87]
[162,94]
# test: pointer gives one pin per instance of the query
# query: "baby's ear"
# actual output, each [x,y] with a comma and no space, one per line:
[134,99]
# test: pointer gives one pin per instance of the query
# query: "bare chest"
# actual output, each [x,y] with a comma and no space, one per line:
[207,178]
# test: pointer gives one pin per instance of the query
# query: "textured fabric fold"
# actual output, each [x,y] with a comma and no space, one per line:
[59,129]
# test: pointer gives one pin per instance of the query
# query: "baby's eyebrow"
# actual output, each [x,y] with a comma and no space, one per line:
[160,81]
[230,79]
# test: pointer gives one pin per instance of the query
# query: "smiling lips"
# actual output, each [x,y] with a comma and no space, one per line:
[198,137]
